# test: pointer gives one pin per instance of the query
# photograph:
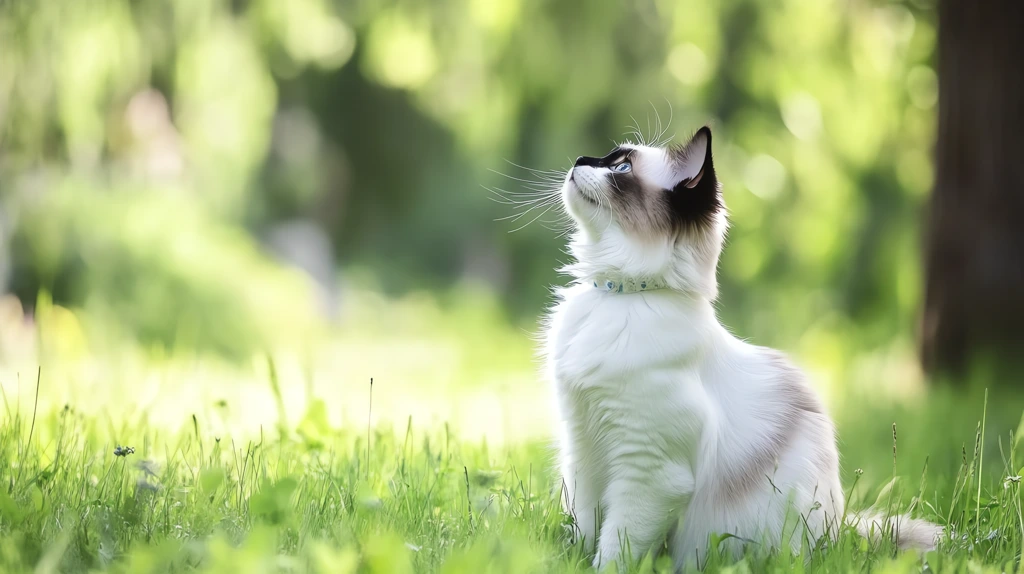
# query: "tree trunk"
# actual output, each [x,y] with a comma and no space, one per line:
[974,254]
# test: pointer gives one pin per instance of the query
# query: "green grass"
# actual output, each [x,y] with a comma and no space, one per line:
[315,499]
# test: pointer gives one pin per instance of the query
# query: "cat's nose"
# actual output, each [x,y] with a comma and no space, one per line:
[587,161]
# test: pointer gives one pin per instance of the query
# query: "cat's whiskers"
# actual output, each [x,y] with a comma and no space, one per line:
[662,139]
[658,136]
[547,179]
[528,203]
[549,173]
[636,132]
[541,204]
[541,195]
[541,214]
[512,198]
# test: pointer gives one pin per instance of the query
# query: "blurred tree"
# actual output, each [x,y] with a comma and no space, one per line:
[974,294]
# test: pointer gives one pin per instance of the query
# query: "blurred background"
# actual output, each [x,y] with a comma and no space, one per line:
[215,181]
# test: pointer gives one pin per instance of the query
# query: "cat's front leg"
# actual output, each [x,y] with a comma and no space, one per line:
[582,500]
[639,512]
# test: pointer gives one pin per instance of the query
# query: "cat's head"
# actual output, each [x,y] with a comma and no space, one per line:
[648,213]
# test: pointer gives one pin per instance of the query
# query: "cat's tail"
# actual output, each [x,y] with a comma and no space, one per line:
[908,533]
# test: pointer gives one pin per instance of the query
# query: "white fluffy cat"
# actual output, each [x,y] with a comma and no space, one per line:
[672,428]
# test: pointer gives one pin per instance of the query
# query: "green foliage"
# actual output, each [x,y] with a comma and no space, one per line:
[379,121]
[167,272]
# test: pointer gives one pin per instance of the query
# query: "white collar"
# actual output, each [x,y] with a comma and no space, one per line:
[613,284]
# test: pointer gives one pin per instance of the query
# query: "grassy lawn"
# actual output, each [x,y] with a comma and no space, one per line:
[273,467]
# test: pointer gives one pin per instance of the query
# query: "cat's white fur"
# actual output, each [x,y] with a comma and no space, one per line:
[672,428]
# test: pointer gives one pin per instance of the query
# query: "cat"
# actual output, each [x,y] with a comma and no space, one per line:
[672,429]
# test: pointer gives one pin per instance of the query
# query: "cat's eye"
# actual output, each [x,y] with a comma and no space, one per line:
[624,167]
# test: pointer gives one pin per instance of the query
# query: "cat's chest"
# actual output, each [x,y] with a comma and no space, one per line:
[626,368]
[595,339]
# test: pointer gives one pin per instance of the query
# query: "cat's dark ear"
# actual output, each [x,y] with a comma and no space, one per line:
[693,161]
